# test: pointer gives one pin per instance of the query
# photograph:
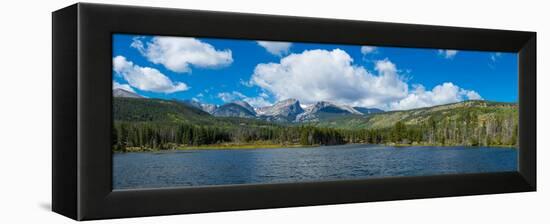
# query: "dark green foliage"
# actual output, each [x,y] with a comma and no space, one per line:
[165,135]
[150,135]
[320,136]
[472,123]
[133,109]
[152,124]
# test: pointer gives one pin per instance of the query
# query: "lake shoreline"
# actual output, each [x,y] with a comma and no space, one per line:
[278,146]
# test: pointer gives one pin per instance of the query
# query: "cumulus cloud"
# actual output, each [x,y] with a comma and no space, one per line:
[494,59]
[145,78]
[258,101]
[473,95]
[448,54]
[440,94]
[367,50]
[126,87]
[245,83]
[495,56]
[179,53]
[230,96]
[321,75]
[275,47]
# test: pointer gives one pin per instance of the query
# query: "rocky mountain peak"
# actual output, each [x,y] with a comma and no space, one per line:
[245,105]
[125,93]
[285,110]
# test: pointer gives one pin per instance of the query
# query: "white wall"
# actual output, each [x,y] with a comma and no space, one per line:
[25,120]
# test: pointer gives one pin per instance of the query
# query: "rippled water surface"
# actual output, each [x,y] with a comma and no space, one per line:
[252,166]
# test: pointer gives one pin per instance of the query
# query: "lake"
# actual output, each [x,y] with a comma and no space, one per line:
[284,165]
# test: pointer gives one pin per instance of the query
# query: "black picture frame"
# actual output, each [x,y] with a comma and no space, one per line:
[82,124]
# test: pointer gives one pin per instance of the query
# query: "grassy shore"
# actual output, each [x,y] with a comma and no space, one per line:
[242,146]
[267,145]
[444,145]
[260,145]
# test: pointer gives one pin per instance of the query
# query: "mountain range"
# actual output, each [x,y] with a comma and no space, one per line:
[125,93]
[288,110]
[235,109]
[209,108]
[327,114]
[474,122]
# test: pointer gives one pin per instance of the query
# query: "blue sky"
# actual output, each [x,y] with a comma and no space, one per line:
[223,70]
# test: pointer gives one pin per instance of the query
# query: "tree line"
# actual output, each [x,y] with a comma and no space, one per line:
[499,129]
[465,130]
[159,136]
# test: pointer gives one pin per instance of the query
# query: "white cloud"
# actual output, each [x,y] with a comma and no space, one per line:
[440,94]
[126,87]
[230,96]
[145,78]
[245,83]
[179,53]
[473,95]
[448,54]
[367,50]
[495,56]
[321,75]
[137,43]
[494,59]
[258,101]
[275,47]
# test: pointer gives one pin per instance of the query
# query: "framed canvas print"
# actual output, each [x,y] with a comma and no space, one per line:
[167,111]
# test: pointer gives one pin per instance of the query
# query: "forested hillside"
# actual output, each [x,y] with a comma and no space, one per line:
[464,123]
[151,124]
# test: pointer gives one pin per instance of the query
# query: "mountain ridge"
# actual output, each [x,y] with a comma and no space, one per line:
[288,110]
[469,123]
[421,115]
[327,114]
[285,110]
[209,108]
[125,93]
[234,109]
